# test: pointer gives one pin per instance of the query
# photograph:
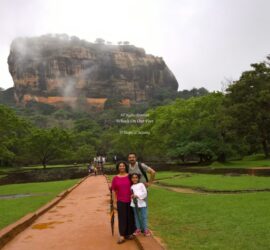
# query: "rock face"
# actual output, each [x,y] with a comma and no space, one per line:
[60,70]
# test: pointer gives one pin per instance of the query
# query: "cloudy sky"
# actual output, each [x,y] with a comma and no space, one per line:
[204,42]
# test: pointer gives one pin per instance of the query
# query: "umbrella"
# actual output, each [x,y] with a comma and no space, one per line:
[112,212]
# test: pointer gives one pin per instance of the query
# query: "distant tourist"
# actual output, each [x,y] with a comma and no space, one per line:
[92,169]
[100,160]
[99,164]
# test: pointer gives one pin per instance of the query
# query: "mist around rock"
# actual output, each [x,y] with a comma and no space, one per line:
[65,71]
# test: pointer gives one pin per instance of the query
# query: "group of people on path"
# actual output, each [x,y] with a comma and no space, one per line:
[96,167]
[129,189]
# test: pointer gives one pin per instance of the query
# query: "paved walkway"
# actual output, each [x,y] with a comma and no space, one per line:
[80,221]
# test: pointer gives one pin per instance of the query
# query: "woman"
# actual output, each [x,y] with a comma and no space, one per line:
[122,197]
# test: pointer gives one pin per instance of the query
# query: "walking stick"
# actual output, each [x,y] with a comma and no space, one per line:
[112,212]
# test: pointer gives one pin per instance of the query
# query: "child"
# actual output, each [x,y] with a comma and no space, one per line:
[139,205]
[95,170]
[91,168]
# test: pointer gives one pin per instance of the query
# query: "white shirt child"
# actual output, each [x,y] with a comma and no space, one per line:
[140,191]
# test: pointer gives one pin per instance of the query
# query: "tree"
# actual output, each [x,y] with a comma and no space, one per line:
[194,92]
[100,41]
[199,149]
[48,144]
[63,36]
[161,96]
[75,40]
[85,138]
[13,130]
[86,124]
[62,114]
[195,128]
[247,103]
[84,153]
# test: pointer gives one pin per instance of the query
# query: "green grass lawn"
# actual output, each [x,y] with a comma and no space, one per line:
[218,182]
[160,175]
[13,209]
[166,174]
[195,221]
[6,170]
[110,177]
[54,166]
[245,163]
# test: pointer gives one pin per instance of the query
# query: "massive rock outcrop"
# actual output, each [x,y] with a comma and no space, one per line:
[60,70]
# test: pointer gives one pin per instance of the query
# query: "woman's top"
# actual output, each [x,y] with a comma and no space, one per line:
[121,185]
[140,191]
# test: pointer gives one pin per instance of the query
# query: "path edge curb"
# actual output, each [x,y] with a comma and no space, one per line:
[11,231]
[139,244]
[200,190]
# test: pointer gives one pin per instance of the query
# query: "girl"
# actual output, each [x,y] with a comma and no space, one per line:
[139,204]
[121,198]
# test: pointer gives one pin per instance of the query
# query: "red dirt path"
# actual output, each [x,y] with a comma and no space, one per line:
[80,221]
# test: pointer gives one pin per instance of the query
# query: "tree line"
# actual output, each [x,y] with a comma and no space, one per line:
[217,126]
[200,127]
[22,143]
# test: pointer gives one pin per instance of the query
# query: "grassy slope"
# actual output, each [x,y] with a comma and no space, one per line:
[219,182]
[210,221]
[13,209]
[6,170]
[52,166]
[166,174]
[159,175]
[246,162]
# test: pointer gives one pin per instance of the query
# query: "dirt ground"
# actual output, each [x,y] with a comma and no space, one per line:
[80,221]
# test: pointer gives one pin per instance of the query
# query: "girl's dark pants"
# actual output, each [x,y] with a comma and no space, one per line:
[126,222]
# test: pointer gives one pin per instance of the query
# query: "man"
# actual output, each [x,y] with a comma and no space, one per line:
[142,169]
